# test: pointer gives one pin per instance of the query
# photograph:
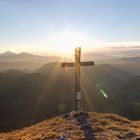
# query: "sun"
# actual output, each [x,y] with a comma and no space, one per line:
[64,42]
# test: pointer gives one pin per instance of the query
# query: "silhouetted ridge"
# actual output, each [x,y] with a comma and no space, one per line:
[80,126]
[8,53]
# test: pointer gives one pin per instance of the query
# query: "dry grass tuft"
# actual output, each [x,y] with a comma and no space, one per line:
[105,127]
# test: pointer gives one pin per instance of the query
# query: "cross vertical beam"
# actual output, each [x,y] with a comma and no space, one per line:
[78,96]
[77,64]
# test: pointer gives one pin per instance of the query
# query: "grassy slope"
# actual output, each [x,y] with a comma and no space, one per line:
[105,127]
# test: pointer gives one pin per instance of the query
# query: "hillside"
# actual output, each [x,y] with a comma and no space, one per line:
[127,99]
[128,64]
[79,126]
[51,85]
[131,59]
[104,74]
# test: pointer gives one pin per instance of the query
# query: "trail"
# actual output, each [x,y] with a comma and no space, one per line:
[82,119]
[85,126]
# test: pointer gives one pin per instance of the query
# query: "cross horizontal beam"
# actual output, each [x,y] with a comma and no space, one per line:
[90,63]
[67,64]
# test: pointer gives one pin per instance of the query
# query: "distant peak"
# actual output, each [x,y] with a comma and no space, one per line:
[8,53]
[25,54]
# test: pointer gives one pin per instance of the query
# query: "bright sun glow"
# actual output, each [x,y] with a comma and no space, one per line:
[65,42]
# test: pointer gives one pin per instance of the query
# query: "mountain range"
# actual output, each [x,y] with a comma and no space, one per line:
[51,85]
[111,85]
[29,62]
[24,61]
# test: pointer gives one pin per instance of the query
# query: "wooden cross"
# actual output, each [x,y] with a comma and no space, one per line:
[77,64]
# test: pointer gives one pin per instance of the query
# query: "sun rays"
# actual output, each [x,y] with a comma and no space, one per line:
[64,42]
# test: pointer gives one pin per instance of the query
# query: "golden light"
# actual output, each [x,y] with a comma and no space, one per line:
[64,42]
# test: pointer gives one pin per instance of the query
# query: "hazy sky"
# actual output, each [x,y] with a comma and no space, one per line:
[35,24]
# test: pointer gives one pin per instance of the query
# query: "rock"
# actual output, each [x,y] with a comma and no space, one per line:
[65,115]
[131,134]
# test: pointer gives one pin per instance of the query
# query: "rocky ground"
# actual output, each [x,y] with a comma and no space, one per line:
[79,126]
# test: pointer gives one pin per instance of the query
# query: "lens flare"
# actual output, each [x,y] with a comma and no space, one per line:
[101,91]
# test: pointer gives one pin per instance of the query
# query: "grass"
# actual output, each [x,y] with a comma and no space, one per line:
[105,127]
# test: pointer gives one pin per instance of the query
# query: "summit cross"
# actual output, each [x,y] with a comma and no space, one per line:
[77,64]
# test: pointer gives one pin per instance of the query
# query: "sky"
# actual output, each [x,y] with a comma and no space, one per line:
[56,25]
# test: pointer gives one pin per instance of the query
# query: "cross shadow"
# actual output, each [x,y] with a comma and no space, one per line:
[85,126]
